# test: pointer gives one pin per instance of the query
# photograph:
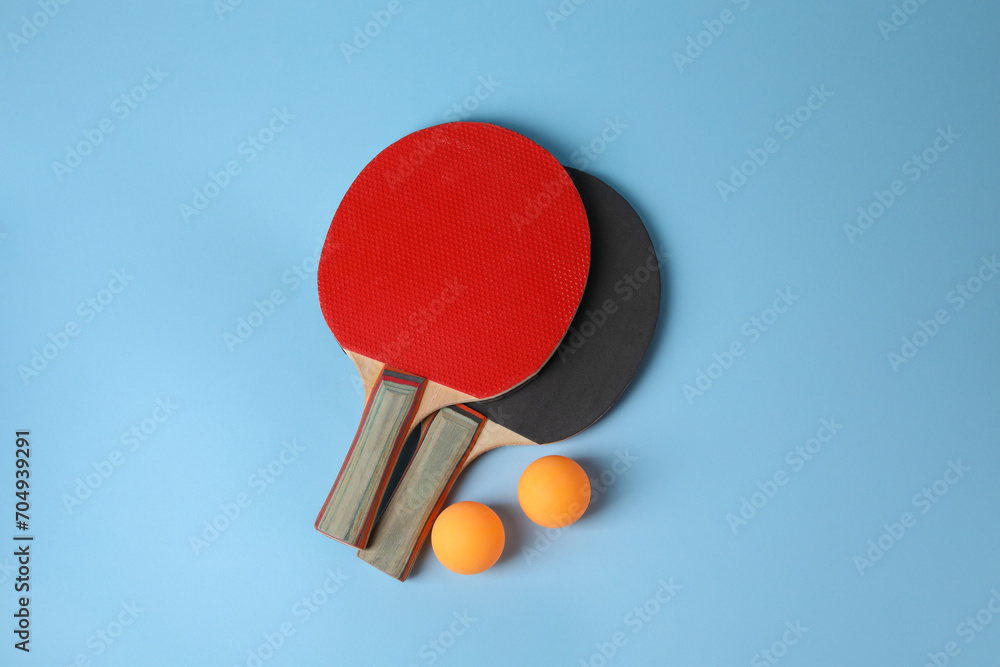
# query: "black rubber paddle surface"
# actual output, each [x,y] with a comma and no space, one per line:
[609,335]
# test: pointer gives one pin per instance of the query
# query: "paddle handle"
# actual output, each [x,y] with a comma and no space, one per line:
[444,449]
[350,508]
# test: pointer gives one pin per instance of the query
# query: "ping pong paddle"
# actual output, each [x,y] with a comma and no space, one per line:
[592,367]
[451,272]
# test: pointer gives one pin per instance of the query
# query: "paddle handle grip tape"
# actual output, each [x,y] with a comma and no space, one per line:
[351,506]
[406,521]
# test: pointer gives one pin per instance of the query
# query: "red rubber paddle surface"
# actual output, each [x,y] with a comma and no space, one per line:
[459,254]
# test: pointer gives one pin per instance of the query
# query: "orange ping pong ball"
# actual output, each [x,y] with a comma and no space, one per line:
[554,491]
[467,537]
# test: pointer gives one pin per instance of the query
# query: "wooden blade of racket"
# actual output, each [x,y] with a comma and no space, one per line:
[451,271]
[592,367]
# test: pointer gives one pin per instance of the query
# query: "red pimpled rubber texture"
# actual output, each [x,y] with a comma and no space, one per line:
[459,254]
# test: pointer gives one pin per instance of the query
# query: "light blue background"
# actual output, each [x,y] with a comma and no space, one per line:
[665,516]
